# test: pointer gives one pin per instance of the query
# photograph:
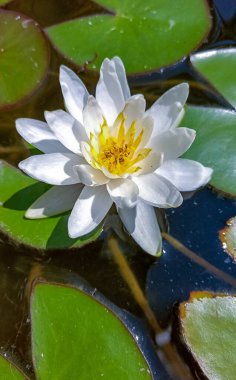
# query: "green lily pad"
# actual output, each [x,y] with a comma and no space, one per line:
[24,57]
[214,145]
[17,193]
[3,2]
[208,325]
[228,237]
[147,34]
[9,371]
[218,66]
[76,337]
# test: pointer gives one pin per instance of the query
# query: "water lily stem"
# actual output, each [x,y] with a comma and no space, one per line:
[11,149]
[199,260]
[171,359]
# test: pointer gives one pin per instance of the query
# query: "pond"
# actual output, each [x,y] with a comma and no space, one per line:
[99,306]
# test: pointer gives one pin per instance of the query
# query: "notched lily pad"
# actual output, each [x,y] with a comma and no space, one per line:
[17,193]
[72,328]
[24,57]
[9,371]
[146,35]
[214,145]
[228,237]
[208,328]
[218,66]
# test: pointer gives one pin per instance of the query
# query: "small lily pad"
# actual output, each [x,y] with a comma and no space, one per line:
[228,237]
[24,57]
[74,330]
[218,66]
[214,145]
[208,325]
[147,34]
[17,193]
[9,371]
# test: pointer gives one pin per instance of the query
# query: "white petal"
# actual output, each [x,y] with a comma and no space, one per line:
[90,209]
[186,175]
[67,129]
[53,168]
[92,116]
[39,135]
[141,223]
[85,149]
[147,124]
[109,92]
[149,164]
[55,201]
[120,70]
[174,142]
[158,191]
[134,109]
[90,176]
[168,109]
[74,92]
[124,192]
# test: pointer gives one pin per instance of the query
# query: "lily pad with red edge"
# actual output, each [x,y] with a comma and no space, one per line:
[228,237]
[17,193]
[208,329]
[214,145]
[24,57]
[87,339]
[218,67]
[147,35]
[9,371]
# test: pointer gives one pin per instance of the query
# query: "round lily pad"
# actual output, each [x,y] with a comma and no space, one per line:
[208,325]
[228,237]
[74,330]
[147,34]
[17,193]
[24,57]
[9,371]
[218,66]
[214,145]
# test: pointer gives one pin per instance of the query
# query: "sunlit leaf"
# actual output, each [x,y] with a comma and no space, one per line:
[17,193]
[147,35]
[208,325]
[76,337]
[215,144]
[8,371]
[218,66]
[228,237]
[24,57]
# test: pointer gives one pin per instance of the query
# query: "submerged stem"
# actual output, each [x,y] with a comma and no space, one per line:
[171,358]
[199,260]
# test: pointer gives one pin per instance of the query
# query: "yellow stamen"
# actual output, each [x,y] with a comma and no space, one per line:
[117,152]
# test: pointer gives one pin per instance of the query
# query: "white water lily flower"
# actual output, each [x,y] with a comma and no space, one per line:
[107,149]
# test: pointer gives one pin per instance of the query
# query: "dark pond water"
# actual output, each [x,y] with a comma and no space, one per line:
[168,280]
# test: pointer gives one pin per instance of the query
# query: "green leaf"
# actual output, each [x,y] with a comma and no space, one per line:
[208,325]
[3,2]
[24,57]
[9,371]
[76,337]
[215,144]
[228,237]
[218,66]
[17,193]
[146,34]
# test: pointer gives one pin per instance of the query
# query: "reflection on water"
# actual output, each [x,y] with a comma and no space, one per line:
[19,267]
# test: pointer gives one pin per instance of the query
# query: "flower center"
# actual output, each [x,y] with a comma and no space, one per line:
[117,150]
